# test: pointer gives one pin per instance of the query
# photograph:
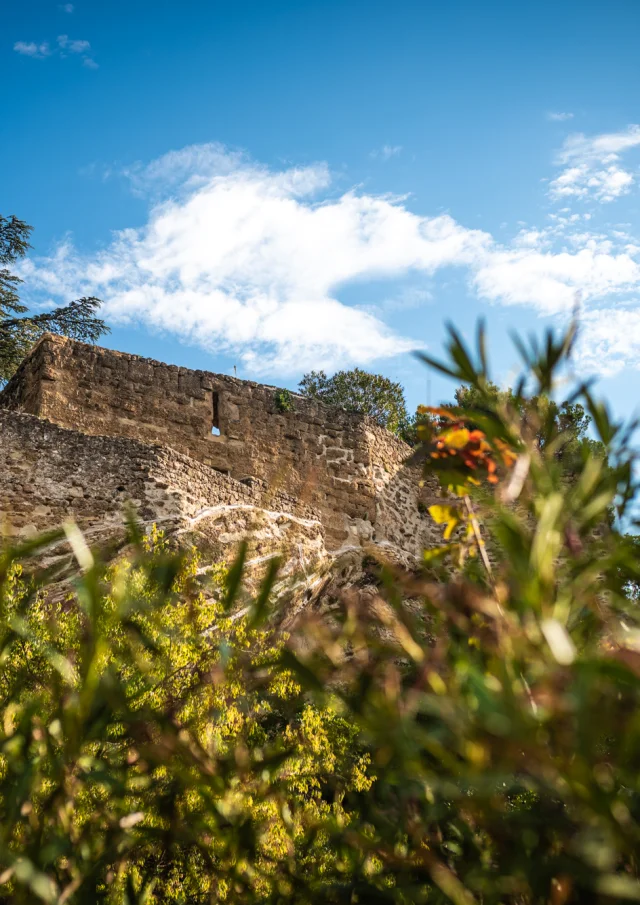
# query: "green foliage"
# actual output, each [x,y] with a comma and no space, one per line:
[18,329]
[419,427]
[283,400]
[358,391]
[564,424]
[470,740]
[151,749]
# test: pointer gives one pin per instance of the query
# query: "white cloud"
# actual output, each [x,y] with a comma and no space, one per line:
[386,152]
[180,172]
[609,341]
[591,166]
[31,49]
[604,148]
[67,7]
[549,281]
[65,43]
[558,117]
[241,258]
[531,238]
[582,181]
[251,259]
[65,46]
[82,47]
[408,298]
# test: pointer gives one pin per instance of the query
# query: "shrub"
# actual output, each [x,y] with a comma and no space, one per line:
[283,400]
[151,751]
[472,739]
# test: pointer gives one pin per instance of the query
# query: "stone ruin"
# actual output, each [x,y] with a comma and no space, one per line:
[86,430]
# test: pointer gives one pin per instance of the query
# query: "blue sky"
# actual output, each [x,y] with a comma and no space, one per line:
[283,186]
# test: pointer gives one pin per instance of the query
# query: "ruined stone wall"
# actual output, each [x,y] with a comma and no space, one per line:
[50,475]
[315,453]
[403,496]
[341,464]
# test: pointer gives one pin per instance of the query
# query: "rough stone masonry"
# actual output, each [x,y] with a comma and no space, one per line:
[85,429]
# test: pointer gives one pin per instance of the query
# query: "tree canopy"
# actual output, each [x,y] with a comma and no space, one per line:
[563,425]
[19,329]
[359,391]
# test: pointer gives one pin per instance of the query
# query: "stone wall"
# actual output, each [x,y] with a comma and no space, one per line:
[317,454]
[342,465]
[402,496]
[51,474]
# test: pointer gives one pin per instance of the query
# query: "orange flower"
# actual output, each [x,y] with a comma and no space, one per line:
[469,449]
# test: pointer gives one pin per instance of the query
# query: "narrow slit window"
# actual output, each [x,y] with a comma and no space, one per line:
[215,418]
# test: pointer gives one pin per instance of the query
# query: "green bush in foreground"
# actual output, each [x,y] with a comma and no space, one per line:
[163,743]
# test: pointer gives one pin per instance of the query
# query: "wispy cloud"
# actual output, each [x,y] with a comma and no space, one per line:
[31,49]
[591,166]
[386,152]
[180,172]
[67,7]
[408,298]
[603,148]
[609,340]
[549,280]
[65,43]
[65,47]
[237,256]
[559,117]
